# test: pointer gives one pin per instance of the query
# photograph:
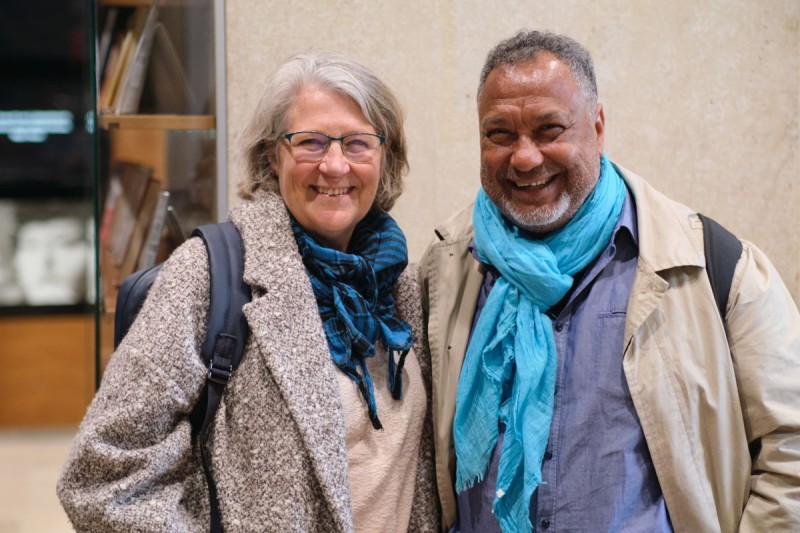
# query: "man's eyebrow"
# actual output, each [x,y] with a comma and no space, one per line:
[493,121]
[553,116]
[550,116]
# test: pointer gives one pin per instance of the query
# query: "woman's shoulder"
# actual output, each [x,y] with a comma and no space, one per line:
[406,288]
[179,292]
[407,297]
[186,269]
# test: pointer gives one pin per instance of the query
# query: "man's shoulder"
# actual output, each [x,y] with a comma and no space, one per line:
[455,231]
[647,196]
[670,234]
[458,226]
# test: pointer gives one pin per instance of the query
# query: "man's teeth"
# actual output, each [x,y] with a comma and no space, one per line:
[333,192]
[534,184]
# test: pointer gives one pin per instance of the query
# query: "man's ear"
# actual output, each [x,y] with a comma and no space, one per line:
[600,127]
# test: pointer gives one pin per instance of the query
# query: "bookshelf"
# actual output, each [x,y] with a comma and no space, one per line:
[134,3]
[160,137]
[158,122]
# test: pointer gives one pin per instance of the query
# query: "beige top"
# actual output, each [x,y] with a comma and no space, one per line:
[383,464]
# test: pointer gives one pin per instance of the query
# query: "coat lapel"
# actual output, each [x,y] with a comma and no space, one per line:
[665,222]
[670,236]
[285,324]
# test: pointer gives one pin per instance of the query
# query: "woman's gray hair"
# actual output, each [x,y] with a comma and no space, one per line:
[333,72]
[526,45]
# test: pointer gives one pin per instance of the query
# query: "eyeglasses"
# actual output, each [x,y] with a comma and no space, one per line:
[311,146]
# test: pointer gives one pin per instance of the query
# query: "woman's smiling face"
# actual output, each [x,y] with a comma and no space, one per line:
[328,197]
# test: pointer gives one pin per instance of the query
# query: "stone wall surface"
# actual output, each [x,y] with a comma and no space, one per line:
[701,97]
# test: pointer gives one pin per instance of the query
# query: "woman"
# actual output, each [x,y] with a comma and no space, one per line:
[296,444]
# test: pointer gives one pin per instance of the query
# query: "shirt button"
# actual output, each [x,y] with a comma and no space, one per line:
[559,327]
[548,455]
[545,524]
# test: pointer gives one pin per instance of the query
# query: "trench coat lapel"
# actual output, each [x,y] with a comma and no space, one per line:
[666,240]
[284,322]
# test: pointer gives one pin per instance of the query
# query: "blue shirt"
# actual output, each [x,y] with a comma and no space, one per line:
[597,474]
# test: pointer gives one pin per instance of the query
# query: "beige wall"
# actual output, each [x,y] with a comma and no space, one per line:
[702,97]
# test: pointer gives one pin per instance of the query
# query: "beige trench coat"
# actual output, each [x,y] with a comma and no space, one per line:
[700,403]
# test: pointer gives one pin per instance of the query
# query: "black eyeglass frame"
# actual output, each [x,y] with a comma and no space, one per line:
[331,139]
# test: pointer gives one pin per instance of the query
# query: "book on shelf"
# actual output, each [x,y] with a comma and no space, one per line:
[115,66]
[152,244]
[116,71]
[134,179]
[175,234]
[167,83]
[104,43]
[132,82]
[142,68]
[144,217]
[110,204]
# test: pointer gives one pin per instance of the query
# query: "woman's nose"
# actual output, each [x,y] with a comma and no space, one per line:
[334,162]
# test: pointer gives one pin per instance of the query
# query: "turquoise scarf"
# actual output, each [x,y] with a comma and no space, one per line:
[512,346]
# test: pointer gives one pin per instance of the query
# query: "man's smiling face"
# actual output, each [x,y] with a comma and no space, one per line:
[541,142]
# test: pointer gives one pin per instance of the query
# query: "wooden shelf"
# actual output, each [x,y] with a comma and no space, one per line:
[135,3]
[158,122]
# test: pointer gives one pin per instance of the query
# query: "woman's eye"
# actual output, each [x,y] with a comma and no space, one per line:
[356,144]
[311,143]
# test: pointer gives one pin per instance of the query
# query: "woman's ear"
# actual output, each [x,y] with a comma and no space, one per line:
[272,158]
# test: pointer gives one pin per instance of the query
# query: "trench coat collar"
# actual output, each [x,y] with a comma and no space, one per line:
[666,235]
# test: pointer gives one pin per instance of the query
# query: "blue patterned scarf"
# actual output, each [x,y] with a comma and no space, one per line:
[512,346]
[354,296]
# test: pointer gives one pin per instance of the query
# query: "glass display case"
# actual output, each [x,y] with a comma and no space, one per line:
[47,199]
[160,136]
[46,188]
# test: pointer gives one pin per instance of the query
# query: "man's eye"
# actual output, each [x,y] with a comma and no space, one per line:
[551,131]
[502,137]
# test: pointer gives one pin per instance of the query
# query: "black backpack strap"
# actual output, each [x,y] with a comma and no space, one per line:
[226,336]
[722,249]
[130,298]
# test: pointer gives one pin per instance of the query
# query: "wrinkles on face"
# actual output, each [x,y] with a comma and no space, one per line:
[329,197]
[540,144]
[526,218]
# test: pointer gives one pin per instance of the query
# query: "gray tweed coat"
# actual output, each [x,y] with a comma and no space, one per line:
[278,443]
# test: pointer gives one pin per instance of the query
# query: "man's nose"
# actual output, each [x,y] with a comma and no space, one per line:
[526,155]
[334,162]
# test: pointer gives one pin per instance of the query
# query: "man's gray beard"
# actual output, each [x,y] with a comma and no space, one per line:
[535,218]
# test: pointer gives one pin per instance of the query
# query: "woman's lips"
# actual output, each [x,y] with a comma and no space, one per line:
[332,191]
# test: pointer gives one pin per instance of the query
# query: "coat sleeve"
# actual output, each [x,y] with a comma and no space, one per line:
[764,332]
[132,467]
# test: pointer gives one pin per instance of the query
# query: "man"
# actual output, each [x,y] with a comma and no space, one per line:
[583,378]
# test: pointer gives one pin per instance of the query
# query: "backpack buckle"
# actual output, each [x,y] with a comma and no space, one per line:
[223,348]
[220,375]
